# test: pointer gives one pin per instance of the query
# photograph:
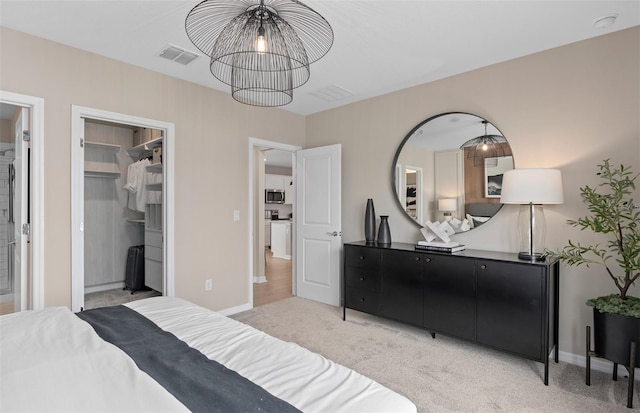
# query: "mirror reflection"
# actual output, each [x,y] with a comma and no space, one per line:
[449,168]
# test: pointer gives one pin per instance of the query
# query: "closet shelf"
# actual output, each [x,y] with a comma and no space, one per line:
[100,145]
[154,187]
[156,167]
[136,221]
[147,146]
[101,174]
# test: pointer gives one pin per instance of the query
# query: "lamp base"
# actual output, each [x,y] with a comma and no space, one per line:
[536,256]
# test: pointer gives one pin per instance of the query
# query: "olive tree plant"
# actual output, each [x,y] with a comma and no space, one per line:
[611,212]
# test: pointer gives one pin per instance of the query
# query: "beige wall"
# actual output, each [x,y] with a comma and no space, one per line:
[568,108]
[211,157]
[565,108]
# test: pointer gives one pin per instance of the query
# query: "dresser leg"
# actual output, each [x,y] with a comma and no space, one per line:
[546,371]
[615,372]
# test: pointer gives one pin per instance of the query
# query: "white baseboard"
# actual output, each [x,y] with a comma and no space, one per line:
[284,257]
[103,287]
[597,364]
[235,310]
[259,279]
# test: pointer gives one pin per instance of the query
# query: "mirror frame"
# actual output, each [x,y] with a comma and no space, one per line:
[409,135]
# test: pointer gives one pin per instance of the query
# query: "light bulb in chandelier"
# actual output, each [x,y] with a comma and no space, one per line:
[485,149]
[261,42]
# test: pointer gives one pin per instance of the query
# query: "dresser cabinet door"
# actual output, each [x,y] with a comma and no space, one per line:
[362,279]
[511,307]
[449,295]
[402,285]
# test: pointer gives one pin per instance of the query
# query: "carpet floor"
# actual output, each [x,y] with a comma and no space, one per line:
[441,374]
[115,297]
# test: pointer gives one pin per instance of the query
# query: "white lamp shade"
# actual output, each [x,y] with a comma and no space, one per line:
[447,204]
[537,186]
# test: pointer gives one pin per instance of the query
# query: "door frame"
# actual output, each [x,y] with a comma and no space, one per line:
[258,144]
[36,262]
[78,113]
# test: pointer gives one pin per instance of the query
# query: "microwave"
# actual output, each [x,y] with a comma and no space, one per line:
[274,196]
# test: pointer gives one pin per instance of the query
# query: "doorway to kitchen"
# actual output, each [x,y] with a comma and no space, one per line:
[272,228]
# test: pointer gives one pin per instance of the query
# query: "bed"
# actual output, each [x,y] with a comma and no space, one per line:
[479,213]
[52,360]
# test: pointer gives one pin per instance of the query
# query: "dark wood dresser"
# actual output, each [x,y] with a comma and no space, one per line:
[489,298]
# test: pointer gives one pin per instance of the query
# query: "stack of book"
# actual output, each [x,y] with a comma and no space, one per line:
[437,246]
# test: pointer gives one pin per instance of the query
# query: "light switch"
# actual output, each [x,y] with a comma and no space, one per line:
[236,215]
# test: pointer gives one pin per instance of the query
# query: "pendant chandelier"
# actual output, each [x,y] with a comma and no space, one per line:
[262,49]
[485,149]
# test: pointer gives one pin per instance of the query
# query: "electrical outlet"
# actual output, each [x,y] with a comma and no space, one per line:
[208,285]
[236,215]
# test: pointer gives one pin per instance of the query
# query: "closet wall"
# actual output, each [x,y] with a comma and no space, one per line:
[110,228]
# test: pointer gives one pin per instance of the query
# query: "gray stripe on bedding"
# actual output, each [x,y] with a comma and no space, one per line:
[202,385]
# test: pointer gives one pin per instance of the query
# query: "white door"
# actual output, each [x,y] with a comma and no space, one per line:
[20,212]
[319,223]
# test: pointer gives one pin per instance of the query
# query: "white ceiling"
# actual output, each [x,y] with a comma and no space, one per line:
[380,46]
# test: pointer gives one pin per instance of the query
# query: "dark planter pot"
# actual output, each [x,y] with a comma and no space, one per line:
[613,334]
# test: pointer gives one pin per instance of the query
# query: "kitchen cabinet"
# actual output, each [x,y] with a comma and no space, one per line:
[273,181]
[267,234]
[281,239]
[487,297]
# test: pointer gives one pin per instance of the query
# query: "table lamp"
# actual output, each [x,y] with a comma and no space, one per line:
[447,205]
[531,188]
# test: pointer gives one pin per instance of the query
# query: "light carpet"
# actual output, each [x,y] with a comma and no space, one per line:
[441,374]
[115,297]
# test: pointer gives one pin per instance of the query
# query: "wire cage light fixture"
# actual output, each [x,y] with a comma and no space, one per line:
[262,49]
[485,149]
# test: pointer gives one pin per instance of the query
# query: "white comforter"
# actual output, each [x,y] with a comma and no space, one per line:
[50,360]
[49,363]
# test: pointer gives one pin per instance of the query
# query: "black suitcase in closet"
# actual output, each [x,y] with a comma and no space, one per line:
[134,272]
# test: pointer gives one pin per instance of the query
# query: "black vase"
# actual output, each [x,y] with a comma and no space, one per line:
[384,234]
[370,223]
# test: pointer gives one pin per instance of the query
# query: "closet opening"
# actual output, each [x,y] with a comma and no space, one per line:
[121,209]
[122,213]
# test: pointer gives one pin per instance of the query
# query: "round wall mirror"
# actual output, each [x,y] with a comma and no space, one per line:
[449,168]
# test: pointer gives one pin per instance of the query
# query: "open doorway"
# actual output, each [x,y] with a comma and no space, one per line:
[21,195]
[279,200]
[272,191]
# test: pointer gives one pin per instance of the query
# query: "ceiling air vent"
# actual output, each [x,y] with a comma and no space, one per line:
[331,93]
[178,54]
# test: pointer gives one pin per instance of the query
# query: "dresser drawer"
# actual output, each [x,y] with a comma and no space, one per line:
[153,238]
[363,278]
[153,253]
[153,274]
[365,301]
[362,257]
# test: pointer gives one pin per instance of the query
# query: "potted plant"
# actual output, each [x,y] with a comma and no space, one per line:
[612,212]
